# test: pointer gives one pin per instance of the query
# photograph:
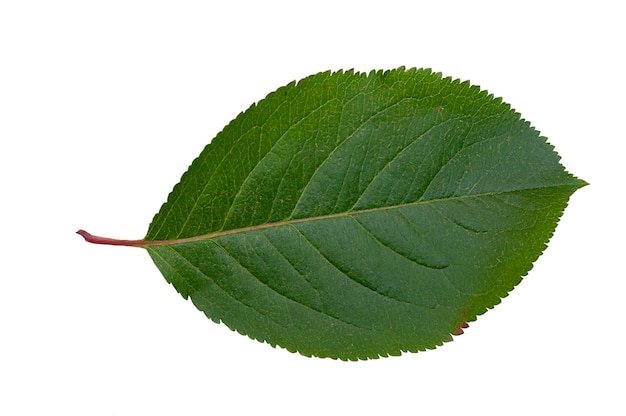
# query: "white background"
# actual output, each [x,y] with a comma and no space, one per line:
[103,105]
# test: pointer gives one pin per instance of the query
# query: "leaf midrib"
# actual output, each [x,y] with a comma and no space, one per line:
[148,243]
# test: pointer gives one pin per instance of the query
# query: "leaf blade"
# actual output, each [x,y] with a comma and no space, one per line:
[346,228]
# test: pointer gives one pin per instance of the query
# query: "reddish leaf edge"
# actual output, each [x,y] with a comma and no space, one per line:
[459,331]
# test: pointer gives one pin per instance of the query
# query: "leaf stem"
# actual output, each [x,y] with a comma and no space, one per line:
[94,239]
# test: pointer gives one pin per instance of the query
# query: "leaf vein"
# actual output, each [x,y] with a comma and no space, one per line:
[415,261]
[330,154]
[215,282]
[348,276]
[283,295]
[260,162]
[399,153]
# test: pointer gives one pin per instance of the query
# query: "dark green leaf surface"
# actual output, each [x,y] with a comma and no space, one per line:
[361,215]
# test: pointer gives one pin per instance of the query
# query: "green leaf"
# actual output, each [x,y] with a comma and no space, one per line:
[360,215]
